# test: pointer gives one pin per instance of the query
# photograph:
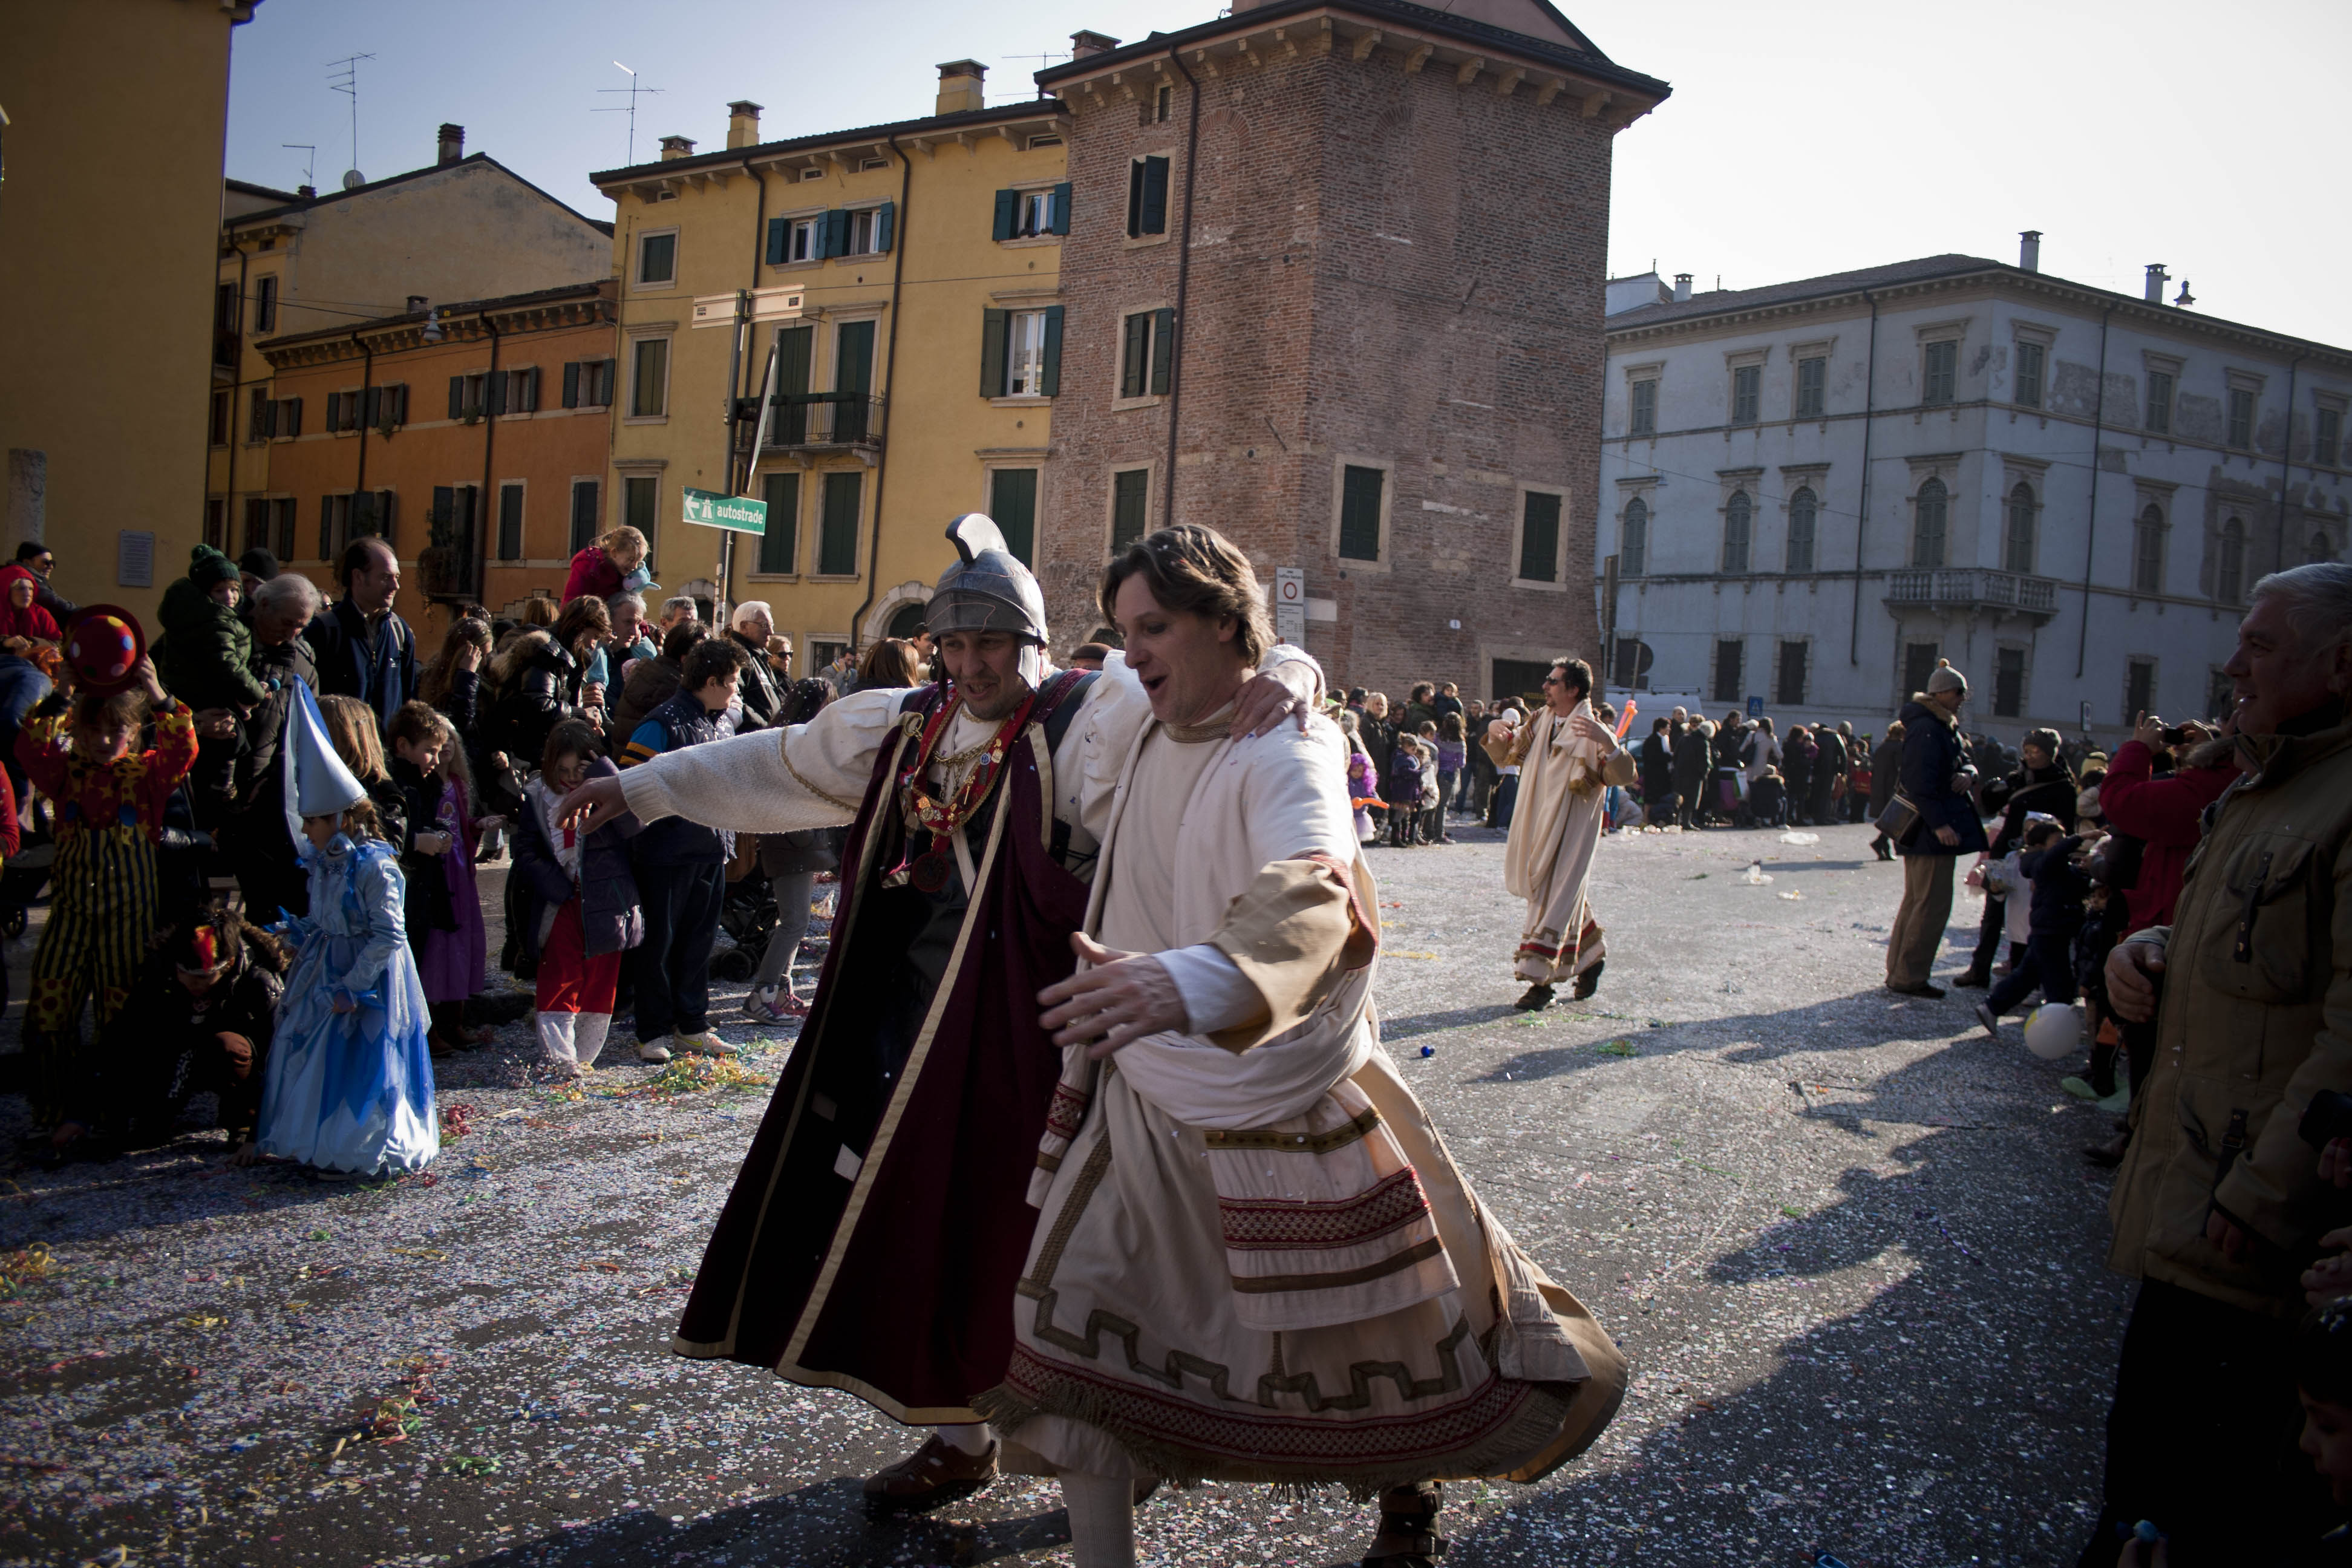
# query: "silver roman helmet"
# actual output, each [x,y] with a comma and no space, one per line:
[988,589]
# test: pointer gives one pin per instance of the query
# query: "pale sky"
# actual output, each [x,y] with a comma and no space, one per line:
[1799,141]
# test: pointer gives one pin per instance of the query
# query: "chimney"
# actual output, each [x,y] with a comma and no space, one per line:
[453,144]
[417,304]
[1084,44]
[961,87]
[2156,277]
[677,147]
[743,123]
[307,192]
[2029,250]
[1682,288]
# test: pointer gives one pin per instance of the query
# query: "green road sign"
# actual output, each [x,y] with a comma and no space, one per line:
[738,514]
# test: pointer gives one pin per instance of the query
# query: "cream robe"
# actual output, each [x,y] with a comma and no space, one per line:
[1554,828]
[1255,1260]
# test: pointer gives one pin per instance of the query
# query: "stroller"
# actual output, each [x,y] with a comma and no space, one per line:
[749,919]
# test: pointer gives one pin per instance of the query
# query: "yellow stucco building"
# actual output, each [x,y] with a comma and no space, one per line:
[102,408]
[907,277]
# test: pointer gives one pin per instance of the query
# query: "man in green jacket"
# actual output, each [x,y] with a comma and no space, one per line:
[2220,1205]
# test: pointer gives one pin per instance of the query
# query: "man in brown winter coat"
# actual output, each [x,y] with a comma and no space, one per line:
[2220,1204]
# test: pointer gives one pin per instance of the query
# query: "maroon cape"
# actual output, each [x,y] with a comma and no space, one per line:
[880,1221]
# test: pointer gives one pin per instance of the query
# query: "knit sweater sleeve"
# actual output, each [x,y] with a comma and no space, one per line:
[772,780]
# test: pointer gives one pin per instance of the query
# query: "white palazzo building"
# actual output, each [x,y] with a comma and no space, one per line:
[1814,490]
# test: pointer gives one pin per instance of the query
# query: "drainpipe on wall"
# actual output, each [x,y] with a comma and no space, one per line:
[2091,523]
[1184,276]
[367,383]
[237,385]
[2286,463]
[889,389]
[490,427]
[736,390]
[1862,523]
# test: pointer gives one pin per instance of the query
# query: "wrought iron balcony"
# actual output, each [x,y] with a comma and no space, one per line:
[1975,590]
[804,421]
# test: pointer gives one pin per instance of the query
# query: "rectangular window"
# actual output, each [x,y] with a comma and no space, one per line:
[836,540]
[2140,689]
[217,428]
[1024,355]
[1360,513]
[780,546]
[1942,366]
[288,417]
[257,524]
[1540,537]
[217,522]
[588,383]
[2009,683]
[257,421]
[1147,342]
[518,391]
[1812,388]
[1131,496]
[1919,663]
[587,512]
[1147,197]
[2326,439]
[510,522]
[1730,655]
[1747,389]
[225,311]
[640,504]
[1645,408]
[2159,402]
[649,379]
[264,303]
[657,258]
[334,525]
[1012,503]
[1035,217]
[867,232]
[1788,690]
[2028,375]
[1161,103]
[807,242]
[2241,419]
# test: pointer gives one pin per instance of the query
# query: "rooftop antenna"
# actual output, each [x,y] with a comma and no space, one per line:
[633,89]
[346,81]
[308,178]
[1042,61]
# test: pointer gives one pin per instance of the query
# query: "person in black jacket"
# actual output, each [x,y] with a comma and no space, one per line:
[364,648]
[1829,767]
[540,679]
[2042,785]
[1658,771]
[761,688]
[200,1018]
[2060,886]
[1693,755]
[255,835]
[681,866]
[1886,776]
[1936,780]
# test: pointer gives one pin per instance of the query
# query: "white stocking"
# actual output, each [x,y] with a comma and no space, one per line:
[1102,1520]
[589,1038]
[555,1036]
[965,1437]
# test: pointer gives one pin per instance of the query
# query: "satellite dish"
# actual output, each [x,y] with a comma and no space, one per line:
[353,179]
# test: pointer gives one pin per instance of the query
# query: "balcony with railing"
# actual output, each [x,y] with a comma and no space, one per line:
[816,421]
[1974,590]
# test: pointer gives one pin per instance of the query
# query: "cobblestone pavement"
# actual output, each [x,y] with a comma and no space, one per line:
[1849,1242]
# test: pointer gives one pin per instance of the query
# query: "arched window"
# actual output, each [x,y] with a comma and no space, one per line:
[2018,553]
[909,620]
[2148,552]
[2322,549]
[2230,578]
[1633,549]
[1803,511]
[1737,515]
[1927,528]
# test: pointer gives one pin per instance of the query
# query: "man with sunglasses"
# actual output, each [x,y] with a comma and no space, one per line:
[1566,758]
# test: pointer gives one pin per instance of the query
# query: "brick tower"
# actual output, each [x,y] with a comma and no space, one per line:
[1335,271]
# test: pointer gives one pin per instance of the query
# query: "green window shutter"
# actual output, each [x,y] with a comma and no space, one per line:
[1062,207]
[853,358]
[886,227]
[992,326]
[571,384]
[1135,199]
[1540,538]
[836,232]
[326,528]
[510,522]
[780,234]
[780,546]
[837,549]
[1008,212]
[587,506]
[1154,217]
[1012,503]
[457,397]
[1135,352]
[1163,349]
[796,346]
[1360,513]
[494,396]
[1049,378]
[1130,494]
[289,419]
[384,514]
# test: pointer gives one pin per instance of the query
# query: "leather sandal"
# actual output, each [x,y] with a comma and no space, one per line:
[1589,981]
[1408,1537]
[935,1473]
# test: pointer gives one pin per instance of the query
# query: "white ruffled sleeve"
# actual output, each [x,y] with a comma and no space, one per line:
[772,780]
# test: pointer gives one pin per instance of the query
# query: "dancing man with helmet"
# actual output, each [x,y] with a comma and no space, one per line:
[880,1225]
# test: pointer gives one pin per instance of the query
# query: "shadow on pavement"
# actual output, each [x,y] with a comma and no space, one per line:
[1801,1029]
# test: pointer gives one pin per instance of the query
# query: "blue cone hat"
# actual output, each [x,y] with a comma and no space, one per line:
[317,782]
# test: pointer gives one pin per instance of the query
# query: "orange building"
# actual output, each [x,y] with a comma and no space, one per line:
[472,436]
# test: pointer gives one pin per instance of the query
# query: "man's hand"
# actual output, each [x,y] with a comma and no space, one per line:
[1593,729]
[2330,1276]
[432,842]
[1125,996]
[215,723]
[592,805]
[2134,971]
[2224,1233]
[2149,731]
[1288,688]
[1949,838]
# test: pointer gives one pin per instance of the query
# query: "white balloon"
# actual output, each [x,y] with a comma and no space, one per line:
[2055,1030]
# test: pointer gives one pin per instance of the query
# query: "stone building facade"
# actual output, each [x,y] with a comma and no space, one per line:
[1334,286]
[1816,490]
